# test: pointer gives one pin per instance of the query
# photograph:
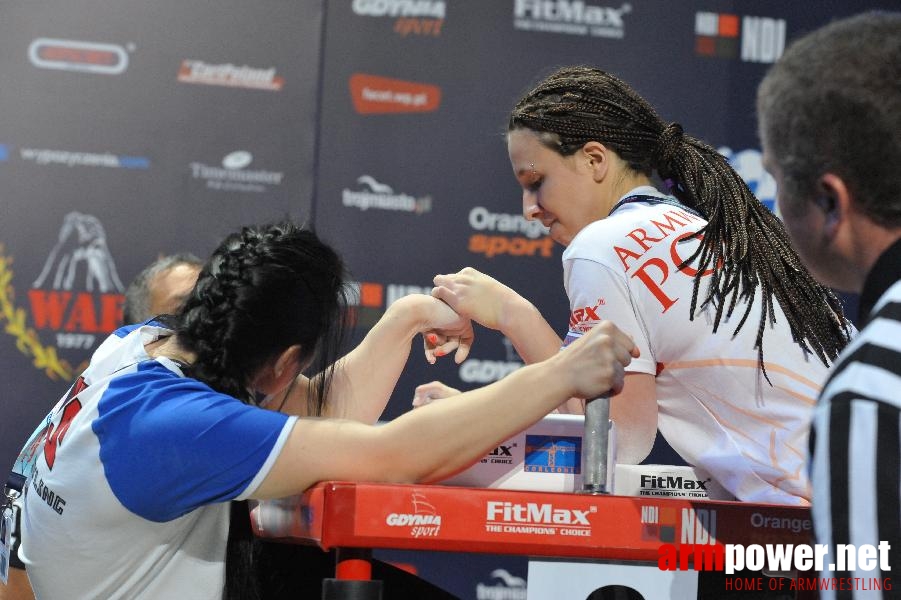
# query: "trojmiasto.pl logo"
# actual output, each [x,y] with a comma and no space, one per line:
[73,302]
[379,196]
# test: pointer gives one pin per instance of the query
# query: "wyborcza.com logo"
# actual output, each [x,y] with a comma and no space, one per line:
[69,158]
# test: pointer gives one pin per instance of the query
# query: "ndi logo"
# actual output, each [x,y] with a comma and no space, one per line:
[750,39]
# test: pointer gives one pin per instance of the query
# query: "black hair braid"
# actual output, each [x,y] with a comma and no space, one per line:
[756,253]
[746,242]
[207,319]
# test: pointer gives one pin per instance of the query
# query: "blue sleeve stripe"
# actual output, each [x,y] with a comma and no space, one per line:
[125,330]
[273,456]
[170,444]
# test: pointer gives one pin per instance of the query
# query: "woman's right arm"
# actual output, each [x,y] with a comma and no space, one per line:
[492,304]
[436,441]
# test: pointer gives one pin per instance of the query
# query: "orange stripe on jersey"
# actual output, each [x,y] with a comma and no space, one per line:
[802,397]
[741,362]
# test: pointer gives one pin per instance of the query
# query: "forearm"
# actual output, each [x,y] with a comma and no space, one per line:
[427,444]
[634,411]
[480,420]
[529,332]
[438,440]
[364,379]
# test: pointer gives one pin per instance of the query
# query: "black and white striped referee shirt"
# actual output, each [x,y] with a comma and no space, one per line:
[856,439]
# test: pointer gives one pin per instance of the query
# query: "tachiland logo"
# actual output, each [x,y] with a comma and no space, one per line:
[373,94]
[76,298]
[229,75]
[73,55]
[412,17]
[573,17]
[379,196]
[504,587]
[749,164]
[233,175]
[422,521]
[751,39]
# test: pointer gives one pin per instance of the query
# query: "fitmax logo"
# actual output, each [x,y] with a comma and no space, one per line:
[532,512]
[673,482]
[572,17]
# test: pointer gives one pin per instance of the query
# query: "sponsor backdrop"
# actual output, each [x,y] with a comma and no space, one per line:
[131,129]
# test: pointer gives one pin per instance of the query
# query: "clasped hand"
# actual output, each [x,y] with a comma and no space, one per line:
[444,331]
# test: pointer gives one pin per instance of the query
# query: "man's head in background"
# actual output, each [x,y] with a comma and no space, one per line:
[829,115]
[161,287]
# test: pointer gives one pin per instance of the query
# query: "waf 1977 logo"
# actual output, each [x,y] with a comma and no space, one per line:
[76,298]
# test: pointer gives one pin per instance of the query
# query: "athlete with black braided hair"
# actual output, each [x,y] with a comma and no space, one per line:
[132,476]
[735,335]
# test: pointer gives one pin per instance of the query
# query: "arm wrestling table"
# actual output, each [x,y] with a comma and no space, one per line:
[355,518]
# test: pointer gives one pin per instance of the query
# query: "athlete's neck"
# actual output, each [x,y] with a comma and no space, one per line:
[169,347]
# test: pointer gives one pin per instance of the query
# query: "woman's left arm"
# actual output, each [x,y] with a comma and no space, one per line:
[365,377]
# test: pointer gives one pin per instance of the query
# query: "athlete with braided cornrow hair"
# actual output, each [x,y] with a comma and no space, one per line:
[132,476]
[735,335]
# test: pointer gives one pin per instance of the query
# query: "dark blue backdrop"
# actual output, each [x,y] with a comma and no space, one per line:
[137,128]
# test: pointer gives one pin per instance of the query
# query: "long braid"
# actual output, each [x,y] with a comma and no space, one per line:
[746,242]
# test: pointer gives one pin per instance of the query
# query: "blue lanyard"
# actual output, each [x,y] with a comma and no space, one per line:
[654,200]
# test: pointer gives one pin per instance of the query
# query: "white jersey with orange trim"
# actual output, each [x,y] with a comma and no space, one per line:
[715,407]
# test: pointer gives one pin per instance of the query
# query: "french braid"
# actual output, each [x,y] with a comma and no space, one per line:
[263,290]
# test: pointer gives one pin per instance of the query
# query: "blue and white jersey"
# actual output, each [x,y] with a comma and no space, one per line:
[132,478]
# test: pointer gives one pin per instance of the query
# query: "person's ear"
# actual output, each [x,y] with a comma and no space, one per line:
[834,199]
[598,158]
[287,364]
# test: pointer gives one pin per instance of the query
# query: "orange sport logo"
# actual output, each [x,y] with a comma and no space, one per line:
[508,234]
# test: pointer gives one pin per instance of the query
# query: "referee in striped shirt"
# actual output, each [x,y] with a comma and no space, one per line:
[829,114]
